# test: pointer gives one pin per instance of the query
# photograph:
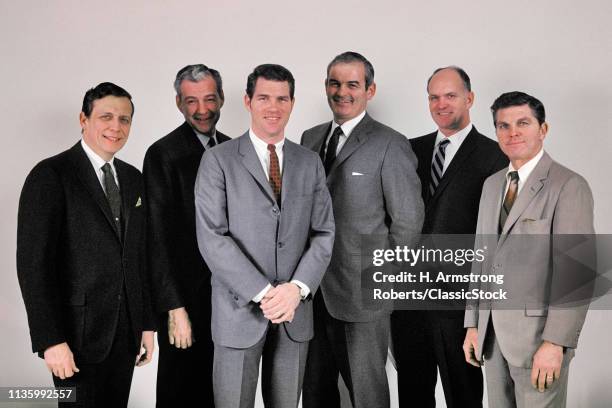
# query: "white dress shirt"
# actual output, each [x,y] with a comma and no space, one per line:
[97,162]
[261,148]
[523,172]
[455,143]
[347,128]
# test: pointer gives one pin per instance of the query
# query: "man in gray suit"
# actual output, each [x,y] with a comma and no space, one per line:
[524,210]
[371,175]
[265,228]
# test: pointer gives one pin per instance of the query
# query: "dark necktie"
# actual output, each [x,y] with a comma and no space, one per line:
[112,194]
[509,199]
[332,146]
[274,172]
[211,142]
[437,165]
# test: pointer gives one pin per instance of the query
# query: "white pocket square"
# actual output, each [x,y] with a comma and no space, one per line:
[356,173]
[139,202]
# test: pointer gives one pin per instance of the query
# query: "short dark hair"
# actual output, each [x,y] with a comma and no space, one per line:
[349,57]
[195,73]
[517,98]
[103,90]
[462,74]
[271,72]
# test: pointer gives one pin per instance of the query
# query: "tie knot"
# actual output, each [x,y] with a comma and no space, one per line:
[514,176]
[337,131]
[106,169]
[443,143]
[271,148]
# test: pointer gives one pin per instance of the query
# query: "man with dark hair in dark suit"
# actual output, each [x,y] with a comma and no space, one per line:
[181,279]
[80,254]
[454,161]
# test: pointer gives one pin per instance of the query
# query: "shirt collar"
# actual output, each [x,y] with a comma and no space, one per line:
[205,139]
[96,160]
[526,168]
[456,138]
[348,126]
[260,145]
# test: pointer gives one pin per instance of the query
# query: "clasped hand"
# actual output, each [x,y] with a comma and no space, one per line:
[279,303]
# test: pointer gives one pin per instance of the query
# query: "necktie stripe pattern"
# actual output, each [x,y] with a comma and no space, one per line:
[112,194]
[437,165]
[332,146]
[274,172]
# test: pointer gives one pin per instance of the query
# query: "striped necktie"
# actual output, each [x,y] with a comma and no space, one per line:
[437,165]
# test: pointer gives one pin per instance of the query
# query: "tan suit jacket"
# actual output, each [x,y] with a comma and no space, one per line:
[553,202]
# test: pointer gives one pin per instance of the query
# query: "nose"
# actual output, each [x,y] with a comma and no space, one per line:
[201,108]
[115,124]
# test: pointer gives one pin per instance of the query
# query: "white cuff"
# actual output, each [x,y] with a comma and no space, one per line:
[261,294]
[304,289]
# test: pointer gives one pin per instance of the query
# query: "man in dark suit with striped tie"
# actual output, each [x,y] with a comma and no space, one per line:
[181,278]
[454,161]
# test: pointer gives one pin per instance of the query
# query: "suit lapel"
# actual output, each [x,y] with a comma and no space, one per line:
[87,175]
[532,187]
[289,170]
[251,162]
[358,136]
[191,143]
[459,160]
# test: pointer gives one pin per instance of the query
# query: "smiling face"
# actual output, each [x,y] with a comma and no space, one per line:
[270,108]
[346,91]
[519,134]
[107,128]
[200,104]
[449,101]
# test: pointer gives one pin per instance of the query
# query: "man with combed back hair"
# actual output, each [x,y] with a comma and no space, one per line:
[80,258]
[528,212]
[265,227]
[181,278]
[371,175]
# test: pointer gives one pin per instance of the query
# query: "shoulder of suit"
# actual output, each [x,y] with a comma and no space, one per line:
[318,129]
[127,168]
[302,150]
[420,140]
[562,174]
[496,178]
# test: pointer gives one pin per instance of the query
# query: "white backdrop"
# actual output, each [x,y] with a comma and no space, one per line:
[53,51]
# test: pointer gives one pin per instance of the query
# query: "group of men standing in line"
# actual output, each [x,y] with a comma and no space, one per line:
[253,248]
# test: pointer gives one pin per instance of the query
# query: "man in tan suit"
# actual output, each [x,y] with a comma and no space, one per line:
[524,210]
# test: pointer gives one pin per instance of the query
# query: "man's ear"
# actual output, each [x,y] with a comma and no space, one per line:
[371,91]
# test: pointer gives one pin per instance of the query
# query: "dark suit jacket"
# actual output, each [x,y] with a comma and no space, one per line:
[71,262]
[375,192]
[453,209]
[179,274]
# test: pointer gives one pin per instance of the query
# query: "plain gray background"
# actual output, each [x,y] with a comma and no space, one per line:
[52,52]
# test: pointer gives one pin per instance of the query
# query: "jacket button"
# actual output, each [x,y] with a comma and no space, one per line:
[275,211]
[280,244]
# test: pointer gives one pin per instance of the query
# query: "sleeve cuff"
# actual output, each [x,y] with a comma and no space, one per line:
[304,289]
[261,294]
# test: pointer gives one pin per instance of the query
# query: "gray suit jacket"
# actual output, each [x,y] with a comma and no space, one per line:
[553,201]
[248,241]
[375,190]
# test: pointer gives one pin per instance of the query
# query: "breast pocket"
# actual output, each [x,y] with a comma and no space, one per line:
[534,226]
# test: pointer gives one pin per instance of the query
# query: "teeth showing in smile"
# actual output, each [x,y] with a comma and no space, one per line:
[112,139]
